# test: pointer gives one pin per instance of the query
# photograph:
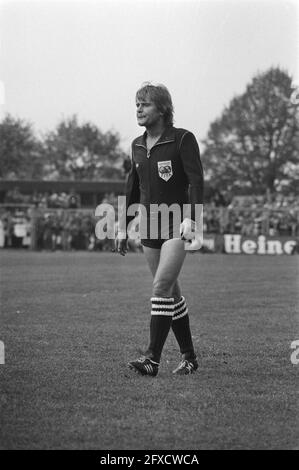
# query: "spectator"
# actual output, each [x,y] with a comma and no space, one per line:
[274,215]
[73,202]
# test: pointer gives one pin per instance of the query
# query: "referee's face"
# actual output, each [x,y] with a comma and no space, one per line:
[148,114]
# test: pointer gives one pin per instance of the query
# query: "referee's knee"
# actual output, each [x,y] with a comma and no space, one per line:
[162,288]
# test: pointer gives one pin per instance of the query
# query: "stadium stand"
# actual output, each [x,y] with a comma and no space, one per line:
[56,220]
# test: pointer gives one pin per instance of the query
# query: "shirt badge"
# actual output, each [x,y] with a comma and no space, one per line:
[165,170]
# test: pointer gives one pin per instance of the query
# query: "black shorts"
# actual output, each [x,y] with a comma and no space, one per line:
[163,234]
[153,243]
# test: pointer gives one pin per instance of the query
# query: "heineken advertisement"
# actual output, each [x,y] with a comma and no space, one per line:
[250,245]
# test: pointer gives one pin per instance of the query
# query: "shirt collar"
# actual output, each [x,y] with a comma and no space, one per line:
[168,135]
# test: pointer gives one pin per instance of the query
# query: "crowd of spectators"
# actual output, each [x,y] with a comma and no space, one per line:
[51,230]
[50,200]
[273,215]
[15,228]
[74,229]
[269,215]
[57,229]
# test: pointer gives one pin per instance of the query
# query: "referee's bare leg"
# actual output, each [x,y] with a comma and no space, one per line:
[168,266]
[180,324]
[152,256]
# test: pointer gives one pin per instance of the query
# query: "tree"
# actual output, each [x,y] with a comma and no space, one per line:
[254,144]
[19,150]
[76,151]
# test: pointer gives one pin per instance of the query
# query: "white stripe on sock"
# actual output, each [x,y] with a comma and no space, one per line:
[179,310]
[166,307]
[181,315]
[180,303]
[161,312]
[162,299]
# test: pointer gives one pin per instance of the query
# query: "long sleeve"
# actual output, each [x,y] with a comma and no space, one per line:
[191,161]
[132,191]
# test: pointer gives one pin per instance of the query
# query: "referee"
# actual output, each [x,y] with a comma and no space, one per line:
[166,169]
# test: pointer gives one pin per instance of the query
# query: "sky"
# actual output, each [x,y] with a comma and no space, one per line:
[59,58]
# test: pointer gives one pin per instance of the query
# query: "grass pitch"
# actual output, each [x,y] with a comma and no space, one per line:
[70,322]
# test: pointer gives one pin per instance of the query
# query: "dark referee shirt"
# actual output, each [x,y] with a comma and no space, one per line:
[170,172]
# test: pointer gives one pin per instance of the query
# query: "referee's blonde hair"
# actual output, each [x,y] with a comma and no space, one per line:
[160,95]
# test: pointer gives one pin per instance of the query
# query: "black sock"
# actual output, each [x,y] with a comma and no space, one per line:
[181,328]
[161,318]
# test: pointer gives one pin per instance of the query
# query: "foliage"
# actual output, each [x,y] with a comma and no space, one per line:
[82,152]
[20,151]
[254,143]
[71,151]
